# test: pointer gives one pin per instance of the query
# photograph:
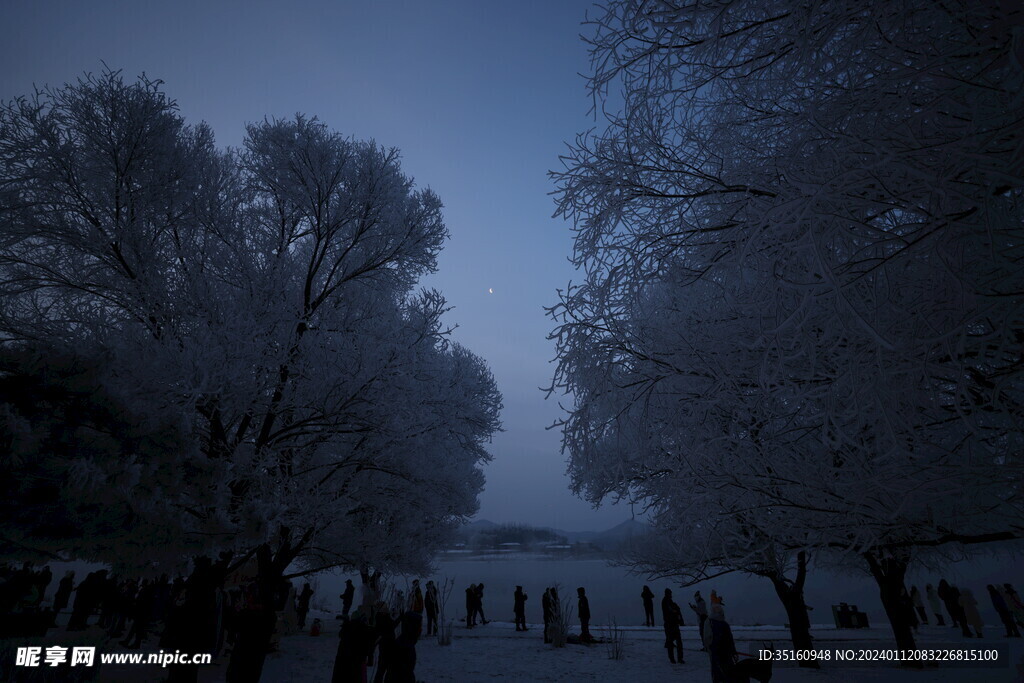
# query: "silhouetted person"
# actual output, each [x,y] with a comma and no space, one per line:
[934,603]
[672,618]
[42,581]
[403,661]
[1003,610]
[720,645]
[346,597]
[479,603]
[700,608]
[584,611]
[918,602]
[63,594]
[142,613]
[416,598]
[354,642]
[1014,602]
[907,606]
[432,605]
[471,605]
[969,611]
[519,608]
[87,596]
[648,597]
[384,638]
[302,604]
[951,597]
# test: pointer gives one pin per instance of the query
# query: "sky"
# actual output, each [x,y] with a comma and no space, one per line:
[479,96]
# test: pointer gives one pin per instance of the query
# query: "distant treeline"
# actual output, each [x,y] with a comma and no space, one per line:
[493,538]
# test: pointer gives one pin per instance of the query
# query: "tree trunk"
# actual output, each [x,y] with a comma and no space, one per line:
[889,572]
[792,595]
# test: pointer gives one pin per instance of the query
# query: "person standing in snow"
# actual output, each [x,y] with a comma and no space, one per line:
[720,645]
[42,581]
[584,613]
[918,602]
[908,607]
[303,604]
[519,608]
[63,594]
[1014,602]
[355,643]
[471,605]
[384,641]
[402,668]
[672,619]
[969,611]
[346,598]
[432,606]
[142,614]
[479,603]
[951,596]
[1003,610]
[934,603]
[648,599]
[701,610]
[416,598]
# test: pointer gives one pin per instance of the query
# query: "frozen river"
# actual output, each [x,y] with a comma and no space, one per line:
[615,593]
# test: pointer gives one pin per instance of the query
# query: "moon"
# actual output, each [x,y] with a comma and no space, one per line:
[490,290]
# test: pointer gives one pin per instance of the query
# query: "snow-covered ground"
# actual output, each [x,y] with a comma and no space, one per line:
[497,651]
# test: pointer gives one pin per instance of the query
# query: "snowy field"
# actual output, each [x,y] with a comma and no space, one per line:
[496,651]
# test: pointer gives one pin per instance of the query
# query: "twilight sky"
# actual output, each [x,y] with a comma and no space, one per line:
[479,95]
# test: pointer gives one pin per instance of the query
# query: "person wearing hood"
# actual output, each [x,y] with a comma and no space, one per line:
[648,599]
[934,603]
[672,619]
[720,645]
[583,606]
[519,608]
[969,611]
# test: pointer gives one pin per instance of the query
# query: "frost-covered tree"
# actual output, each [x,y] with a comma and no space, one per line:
[89,473]
[800,235]
[266,296]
